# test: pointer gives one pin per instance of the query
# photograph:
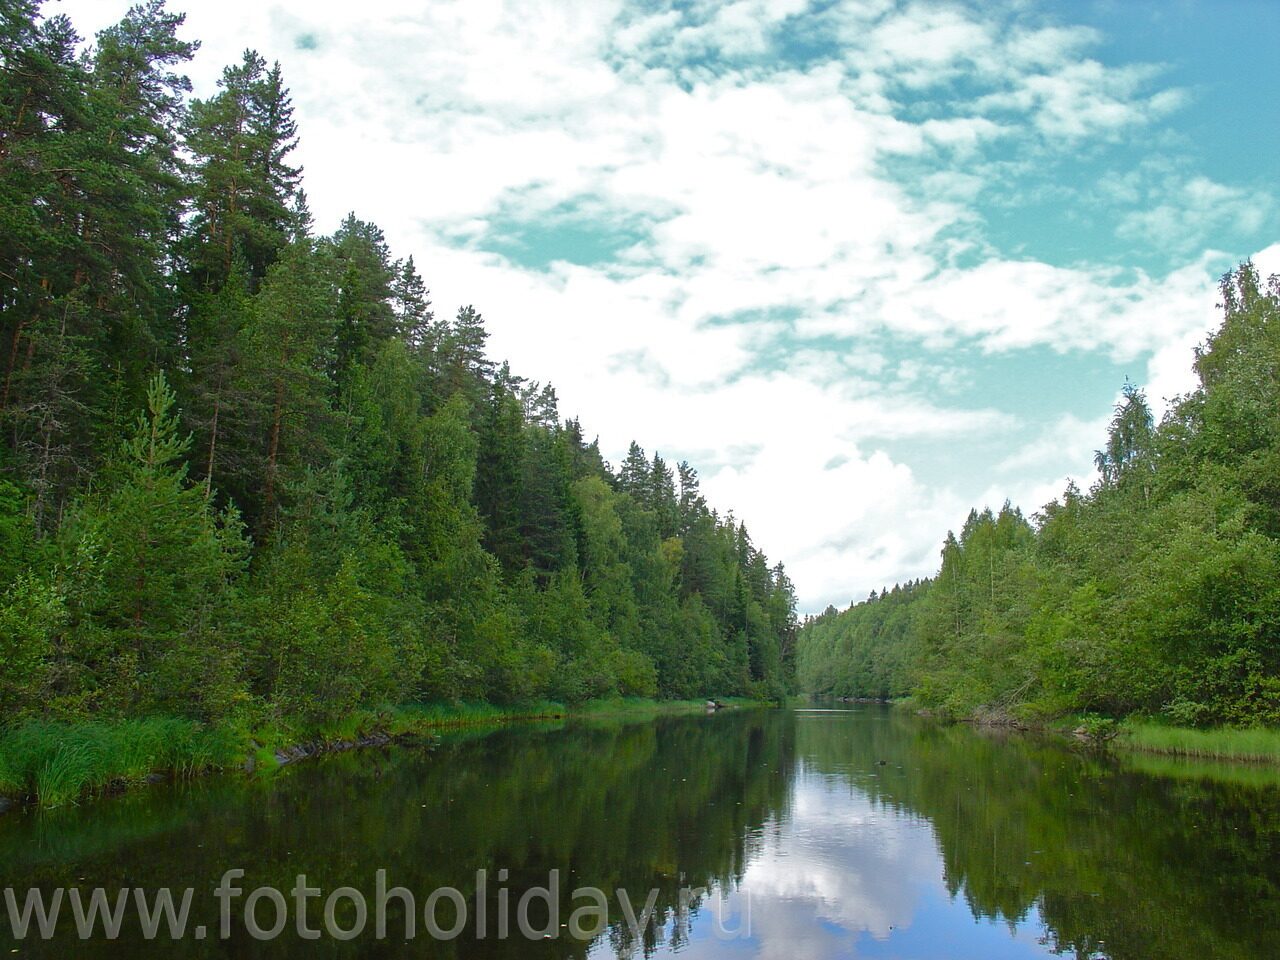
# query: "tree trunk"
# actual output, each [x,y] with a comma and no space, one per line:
[213,438]
[273,453]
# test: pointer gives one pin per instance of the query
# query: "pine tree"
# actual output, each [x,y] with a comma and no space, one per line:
[411,306]
[137,96]
[288,347]
[691,503]
[244,189]
[220,407]
[499,473]
[461,364]
[42,115]
[548,519]
[168,575]
[46,130]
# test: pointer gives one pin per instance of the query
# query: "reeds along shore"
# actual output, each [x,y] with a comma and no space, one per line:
[53,763]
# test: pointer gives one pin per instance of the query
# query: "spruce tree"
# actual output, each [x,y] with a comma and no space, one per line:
[633,477]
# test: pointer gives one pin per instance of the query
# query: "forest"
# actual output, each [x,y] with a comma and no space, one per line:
[248,473]
[1155,594]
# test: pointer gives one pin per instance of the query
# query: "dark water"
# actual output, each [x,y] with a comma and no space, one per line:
[858,833]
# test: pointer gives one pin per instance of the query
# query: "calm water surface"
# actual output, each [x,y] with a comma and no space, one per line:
[817,834]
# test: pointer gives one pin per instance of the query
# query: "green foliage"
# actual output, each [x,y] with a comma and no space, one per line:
[147,630]
[32,614]
[16,533]
[425,527]
[1158,593]
[329,653]
[1098,729]
[244,187]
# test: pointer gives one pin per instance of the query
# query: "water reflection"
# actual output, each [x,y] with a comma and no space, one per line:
[857,833]
[659,805]
[1044,850]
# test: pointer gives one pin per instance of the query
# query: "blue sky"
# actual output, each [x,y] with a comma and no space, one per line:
[865,263]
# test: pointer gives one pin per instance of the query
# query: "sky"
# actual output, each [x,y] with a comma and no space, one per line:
[843,875]
[866,264]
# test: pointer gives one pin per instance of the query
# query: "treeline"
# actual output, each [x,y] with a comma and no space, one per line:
[247,472]
[1157,592]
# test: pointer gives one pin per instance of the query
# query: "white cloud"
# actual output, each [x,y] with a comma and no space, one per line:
[739,28]
[1033,70]
[837,868]
[765,190]
[1178,215]
[1268,261]
[1064,444]
[1085,99]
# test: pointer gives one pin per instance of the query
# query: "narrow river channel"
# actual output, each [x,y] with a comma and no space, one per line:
[798,835]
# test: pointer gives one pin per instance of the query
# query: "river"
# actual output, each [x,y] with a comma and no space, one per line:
[790,834]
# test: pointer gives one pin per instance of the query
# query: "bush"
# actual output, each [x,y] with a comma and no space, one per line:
[31,612]
[637,676]
[1097,729]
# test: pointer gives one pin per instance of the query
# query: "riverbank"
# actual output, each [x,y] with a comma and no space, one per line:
[50,764]
[1244,745]
[1252,745]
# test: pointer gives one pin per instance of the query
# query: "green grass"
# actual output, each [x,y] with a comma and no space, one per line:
[58,763]
[1256,745]
[644,706]
[10,778]
[425,717]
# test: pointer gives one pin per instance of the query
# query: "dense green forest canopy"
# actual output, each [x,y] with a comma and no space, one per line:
[1157,592]
[247,471]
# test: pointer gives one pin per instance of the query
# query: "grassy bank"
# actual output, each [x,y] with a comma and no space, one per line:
[57,763]
[640,706]
[1257,745]
[1253,745]
[268,746]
